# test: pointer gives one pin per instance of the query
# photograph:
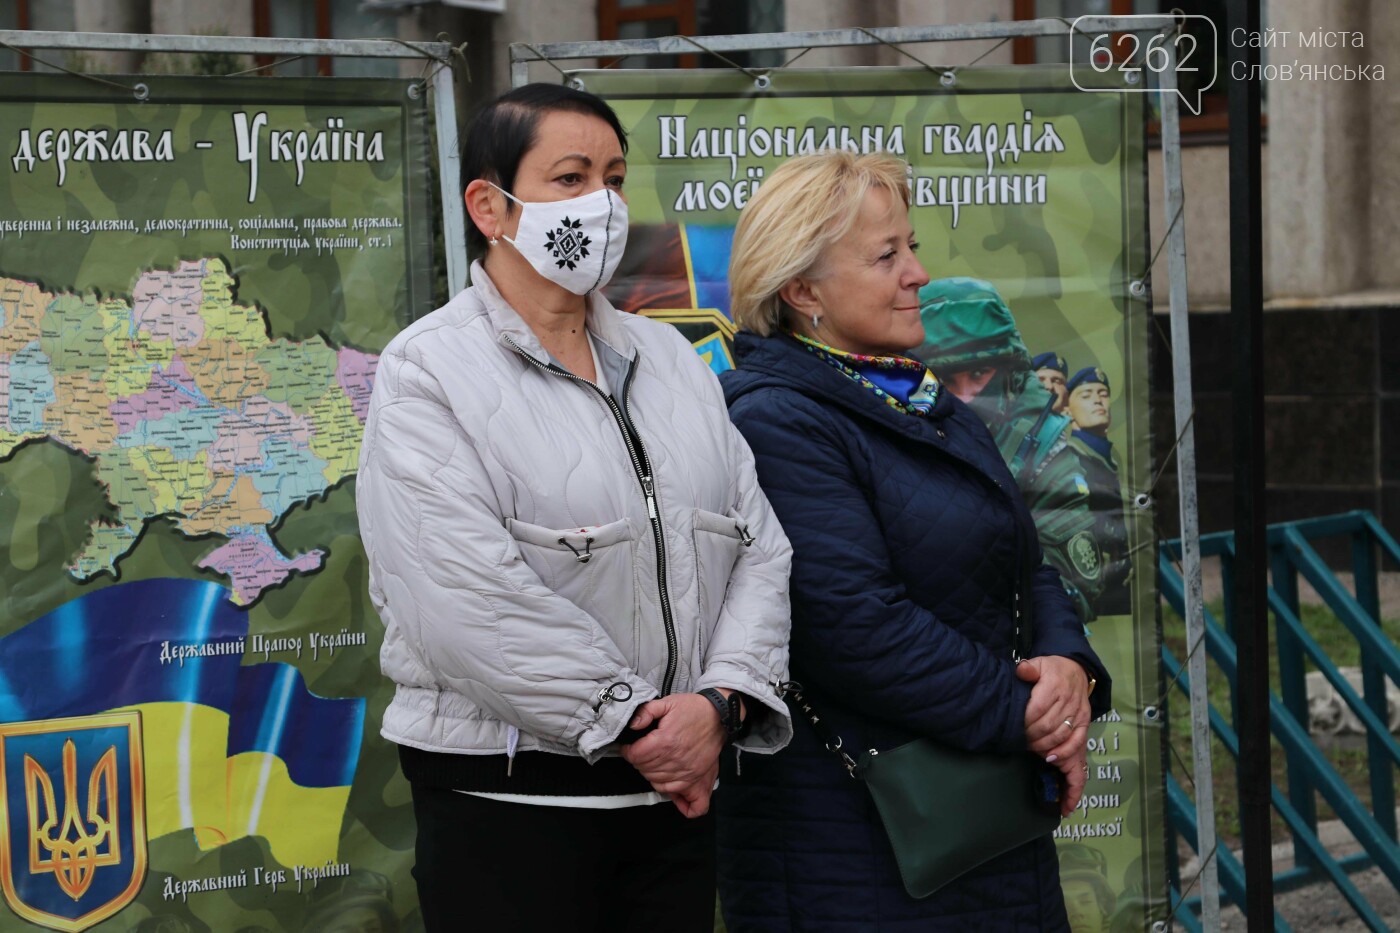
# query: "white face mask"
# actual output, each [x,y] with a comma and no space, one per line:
[576,243]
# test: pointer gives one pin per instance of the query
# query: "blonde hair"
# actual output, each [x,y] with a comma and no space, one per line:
[807,204]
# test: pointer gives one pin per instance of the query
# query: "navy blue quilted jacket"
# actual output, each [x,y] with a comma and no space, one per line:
[905,545]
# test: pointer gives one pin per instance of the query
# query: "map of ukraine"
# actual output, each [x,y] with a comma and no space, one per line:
[188,410]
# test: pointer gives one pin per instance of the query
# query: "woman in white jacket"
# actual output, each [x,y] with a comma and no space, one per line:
[583,589]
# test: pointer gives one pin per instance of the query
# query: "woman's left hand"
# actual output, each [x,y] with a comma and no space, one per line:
[1057,716]
[680,757]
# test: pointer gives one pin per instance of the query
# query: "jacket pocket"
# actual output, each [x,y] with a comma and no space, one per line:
[591,568]
[718,540]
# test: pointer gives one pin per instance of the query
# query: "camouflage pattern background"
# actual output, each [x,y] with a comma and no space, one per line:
[1064,264]
[344,295]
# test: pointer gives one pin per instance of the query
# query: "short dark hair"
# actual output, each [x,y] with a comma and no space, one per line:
[506,128]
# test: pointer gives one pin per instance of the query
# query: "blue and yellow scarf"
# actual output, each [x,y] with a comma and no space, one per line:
[905,385]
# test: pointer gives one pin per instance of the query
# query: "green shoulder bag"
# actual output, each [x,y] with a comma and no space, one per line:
[947,811]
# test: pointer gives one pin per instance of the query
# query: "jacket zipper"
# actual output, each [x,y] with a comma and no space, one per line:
[641,465]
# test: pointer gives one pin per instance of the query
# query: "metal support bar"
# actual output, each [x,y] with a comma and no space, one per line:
[1296,742]
[236,45]
[1305,835]
[1178,805]
[1375,723]
[1181,912]
[1363,566]
[1389,547]
[1321,527]
[1309,771]
[454,219]
[1293,685]
[1373,642]
[1184,406]
[831,38]
[1251,548]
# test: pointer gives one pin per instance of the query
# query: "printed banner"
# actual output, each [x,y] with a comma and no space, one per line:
[193,290]
[1031,208]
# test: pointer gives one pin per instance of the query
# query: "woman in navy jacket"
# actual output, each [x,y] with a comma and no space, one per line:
[909,540]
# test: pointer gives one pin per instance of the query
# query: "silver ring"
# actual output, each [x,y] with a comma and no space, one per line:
[1070,723]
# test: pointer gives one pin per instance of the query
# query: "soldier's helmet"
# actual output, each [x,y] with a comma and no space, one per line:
[967,324]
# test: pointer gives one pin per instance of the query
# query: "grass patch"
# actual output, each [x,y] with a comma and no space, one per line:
[1349,758]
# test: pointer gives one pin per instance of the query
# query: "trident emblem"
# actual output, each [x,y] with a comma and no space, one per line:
[72,818]
[75,851]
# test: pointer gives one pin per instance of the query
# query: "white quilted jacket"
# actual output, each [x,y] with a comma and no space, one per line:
[513,556]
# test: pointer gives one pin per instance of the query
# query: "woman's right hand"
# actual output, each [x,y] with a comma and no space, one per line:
[1054,696]
[680,757]
[1058,715]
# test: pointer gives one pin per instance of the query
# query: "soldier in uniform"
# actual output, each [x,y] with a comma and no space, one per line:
[1089,899]
[972,344]
[1052,370]
[1088,406]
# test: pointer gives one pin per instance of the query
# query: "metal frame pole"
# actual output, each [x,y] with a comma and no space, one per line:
[1251,536]
[1184,407]
[235,45]
[828,38]
[454,214]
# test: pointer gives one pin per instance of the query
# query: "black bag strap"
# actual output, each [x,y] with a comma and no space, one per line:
[1021,612]
[792,692]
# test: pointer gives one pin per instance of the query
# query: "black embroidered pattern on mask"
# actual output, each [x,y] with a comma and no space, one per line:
[566,244]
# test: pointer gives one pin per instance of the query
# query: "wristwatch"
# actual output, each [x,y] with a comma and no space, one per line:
[731,711]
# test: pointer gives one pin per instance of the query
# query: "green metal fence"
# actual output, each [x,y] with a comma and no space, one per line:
[1309,773]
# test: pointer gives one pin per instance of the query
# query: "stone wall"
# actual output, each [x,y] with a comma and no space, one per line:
[1331,408]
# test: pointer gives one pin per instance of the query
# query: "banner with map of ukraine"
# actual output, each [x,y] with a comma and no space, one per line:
[1030,205]
[194,288]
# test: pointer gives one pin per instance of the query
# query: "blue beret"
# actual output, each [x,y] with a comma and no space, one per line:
[1086,376]
[1050,360]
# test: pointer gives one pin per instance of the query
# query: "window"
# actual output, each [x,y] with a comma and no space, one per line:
[46,15]
[14,16]
[653,19]
[640,19]
[1049,49]
[325,19]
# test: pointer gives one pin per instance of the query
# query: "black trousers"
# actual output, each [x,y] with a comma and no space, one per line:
[494,867]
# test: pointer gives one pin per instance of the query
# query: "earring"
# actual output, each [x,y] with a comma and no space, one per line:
[816,321]
[492,241]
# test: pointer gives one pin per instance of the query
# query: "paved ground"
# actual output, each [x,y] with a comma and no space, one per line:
[1321,906]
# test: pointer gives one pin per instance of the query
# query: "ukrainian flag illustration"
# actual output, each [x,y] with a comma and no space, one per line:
[707,255]
[229,750]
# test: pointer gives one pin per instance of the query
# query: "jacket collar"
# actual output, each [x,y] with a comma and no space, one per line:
[601,318]
[782,360]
